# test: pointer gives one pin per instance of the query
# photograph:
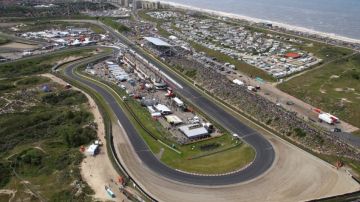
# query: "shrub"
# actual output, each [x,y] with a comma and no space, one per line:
[299,132]
[75,137]
[31,157]
[68,97]
[191,73]
[5,175]
[355,76]
[208,147]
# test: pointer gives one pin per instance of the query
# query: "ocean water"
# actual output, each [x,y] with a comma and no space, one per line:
[340,17]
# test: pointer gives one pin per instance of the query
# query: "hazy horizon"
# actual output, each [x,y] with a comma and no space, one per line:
[340,17]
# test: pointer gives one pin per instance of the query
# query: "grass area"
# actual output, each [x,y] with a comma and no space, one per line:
[96,29]
[226,146]
[333,88]
[3,40]
[354,165]
[324,51]
[40,144]
[115,25]
[222,162]
[46,24]
[37,65]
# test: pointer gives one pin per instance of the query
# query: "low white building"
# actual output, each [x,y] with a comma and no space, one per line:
[194,131]
[173,119]
[163,109]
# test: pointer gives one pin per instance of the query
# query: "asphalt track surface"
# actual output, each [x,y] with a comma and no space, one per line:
[265,154]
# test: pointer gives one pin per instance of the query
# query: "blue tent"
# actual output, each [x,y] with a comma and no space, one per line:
[46,88]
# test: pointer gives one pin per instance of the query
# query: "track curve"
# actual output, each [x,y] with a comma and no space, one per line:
[264,151]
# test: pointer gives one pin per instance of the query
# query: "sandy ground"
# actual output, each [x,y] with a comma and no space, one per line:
[68,59]
[8,192]
[295,176]
[18,45]
[97,171]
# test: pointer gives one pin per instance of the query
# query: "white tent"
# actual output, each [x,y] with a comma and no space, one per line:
[92,149]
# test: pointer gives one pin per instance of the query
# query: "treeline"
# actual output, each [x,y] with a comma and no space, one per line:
[112,23]
[61,9]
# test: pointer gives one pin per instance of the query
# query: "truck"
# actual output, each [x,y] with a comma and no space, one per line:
[238,82]
[108,190]
[251,88]
[178,102]
[328,118]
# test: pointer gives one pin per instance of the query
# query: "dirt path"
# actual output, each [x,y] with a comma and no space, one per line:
[8,192]
[18,45]
[97,170]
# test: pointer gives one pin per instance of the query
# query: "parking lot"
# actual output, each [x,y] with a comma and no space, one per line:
[143,85]
[264,51]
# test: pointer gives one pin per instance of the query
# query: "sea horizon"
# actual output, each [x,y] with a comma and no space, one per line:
[316,22]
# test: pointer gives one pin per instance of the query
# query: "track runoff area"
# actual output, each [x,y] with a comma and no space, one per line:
[265,154]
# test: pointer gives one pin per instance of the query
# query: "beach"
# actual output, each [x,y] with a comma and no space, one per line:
[257,20]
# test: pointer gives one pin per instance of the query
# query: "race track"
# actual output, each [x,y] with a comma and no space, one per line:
[264,151]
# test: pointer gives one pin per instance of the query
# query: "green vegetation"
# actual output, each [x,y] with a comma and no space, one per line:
[26,81]
[3,40]
[222,162]
[45,24]
[41,144]
[37,65]
[64,98]
[299,132]
[354,165]
[115,25]
[44,120]
[95,28]
[191,73]
[333,88]
[324,51]
[40,137]
[65,9]
[231,153]
[5,175]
